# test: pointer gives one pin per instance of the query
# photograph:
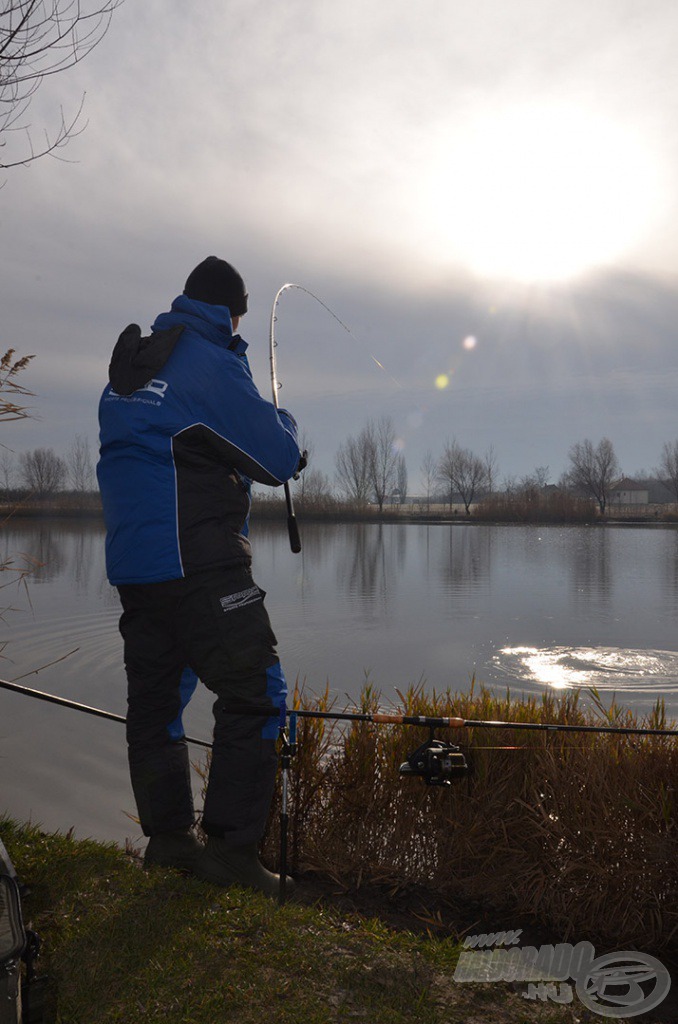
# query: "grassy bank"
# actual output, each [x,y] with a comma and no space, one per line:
[124,945]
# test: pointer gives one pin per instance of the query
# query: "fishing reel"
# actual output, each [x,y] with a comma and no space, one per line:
[437,762]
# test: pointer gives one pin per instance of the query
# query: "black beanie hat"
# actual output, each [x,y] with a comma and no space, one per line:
[217,282]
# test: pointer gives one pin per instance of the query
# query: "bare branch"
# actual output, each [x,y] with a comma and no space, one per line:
[40,38]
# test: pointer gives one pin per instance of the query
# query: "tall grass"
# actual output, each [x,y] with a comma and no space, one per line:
[576,829]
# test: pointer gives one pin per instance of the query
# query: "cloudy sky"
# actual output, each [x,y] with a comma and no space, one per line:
[484,192]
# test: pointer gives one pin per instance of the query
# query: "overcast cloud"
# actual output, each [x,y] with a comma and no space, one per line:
[334,145]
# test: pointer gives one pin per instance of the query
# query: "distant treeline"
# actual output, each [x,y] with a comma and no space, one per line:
[547,505]
[371,481]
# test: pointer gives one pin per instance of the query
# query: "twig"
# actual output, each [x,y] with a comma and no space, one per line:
[49,664]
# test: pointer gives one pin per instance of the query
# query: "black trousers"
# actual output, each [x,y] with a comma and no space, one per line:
[216,625]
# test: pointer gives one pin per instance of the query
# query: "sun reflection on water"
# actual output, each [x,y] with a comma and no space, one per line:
[607,668]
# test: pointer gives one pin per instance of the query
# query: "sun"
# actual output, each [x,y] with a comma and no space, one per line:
[542,192]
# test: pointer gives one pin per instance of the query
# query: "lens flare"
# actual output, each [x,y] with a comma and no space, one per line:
[442,381]
[470,342]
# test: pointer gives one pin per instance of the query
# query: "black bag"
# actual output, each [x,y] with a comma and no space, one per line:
[13,942]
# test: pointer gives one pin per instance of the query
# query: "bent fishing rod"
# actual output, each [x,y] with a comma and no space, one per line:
[375,717]
[292,525]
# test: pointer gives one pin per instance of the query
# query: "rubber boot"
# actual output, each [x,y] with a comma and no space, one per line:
[237,865]
[178,849]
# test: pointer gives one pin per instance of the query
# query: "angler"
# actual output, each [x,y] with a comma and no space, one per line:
[184,431]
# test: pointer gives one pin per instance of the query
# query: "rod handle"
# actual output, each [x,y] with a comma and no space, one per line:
[293,530]
[292,527]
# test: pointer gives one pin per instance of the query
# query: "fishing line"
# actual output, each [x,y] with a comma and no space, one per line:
[338,319]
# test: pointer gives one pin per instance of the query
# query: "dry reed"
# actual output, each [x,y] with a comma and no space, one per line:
[10,388]
[532,505]
[576,829]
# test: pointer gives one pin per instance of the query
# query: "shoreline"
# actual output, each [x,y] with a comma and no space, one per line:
[264,513]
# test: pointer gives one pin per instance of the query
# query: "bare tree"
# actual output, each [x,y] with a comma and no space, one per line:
[462,472]
[429,474]
[667,470]
[401,478]
[317,492]
[352,463]
[366,464]
[510,486]
[491,468]
[541,476]
[534,482]
[43,472]
[40,38]
[593,470]
[79,465]
[7,468]
[383,457]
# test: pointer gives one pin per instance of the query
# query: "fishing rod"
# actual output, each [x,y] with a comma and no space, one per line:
[292,525]
[442,722]
[375,717]
[64,702]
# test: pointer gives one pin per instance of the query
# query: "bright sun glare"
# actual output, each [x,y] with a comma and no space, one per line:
[543,193]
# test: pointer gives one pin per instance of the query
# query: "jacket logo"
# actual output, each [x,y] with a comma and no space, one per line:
[156,387]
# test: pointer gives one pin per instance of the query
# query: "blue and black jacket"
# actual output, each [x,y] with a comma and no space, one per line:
[183,433]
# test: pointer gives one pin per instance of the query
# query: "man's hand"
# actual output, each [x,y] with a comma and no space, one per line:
[303,463]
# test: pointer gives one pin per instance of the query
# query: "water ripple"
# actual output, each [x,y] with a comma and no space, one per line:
[93,637]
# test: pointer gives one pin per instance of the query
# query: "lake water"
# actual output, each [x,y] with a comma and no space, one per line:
[525,607]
